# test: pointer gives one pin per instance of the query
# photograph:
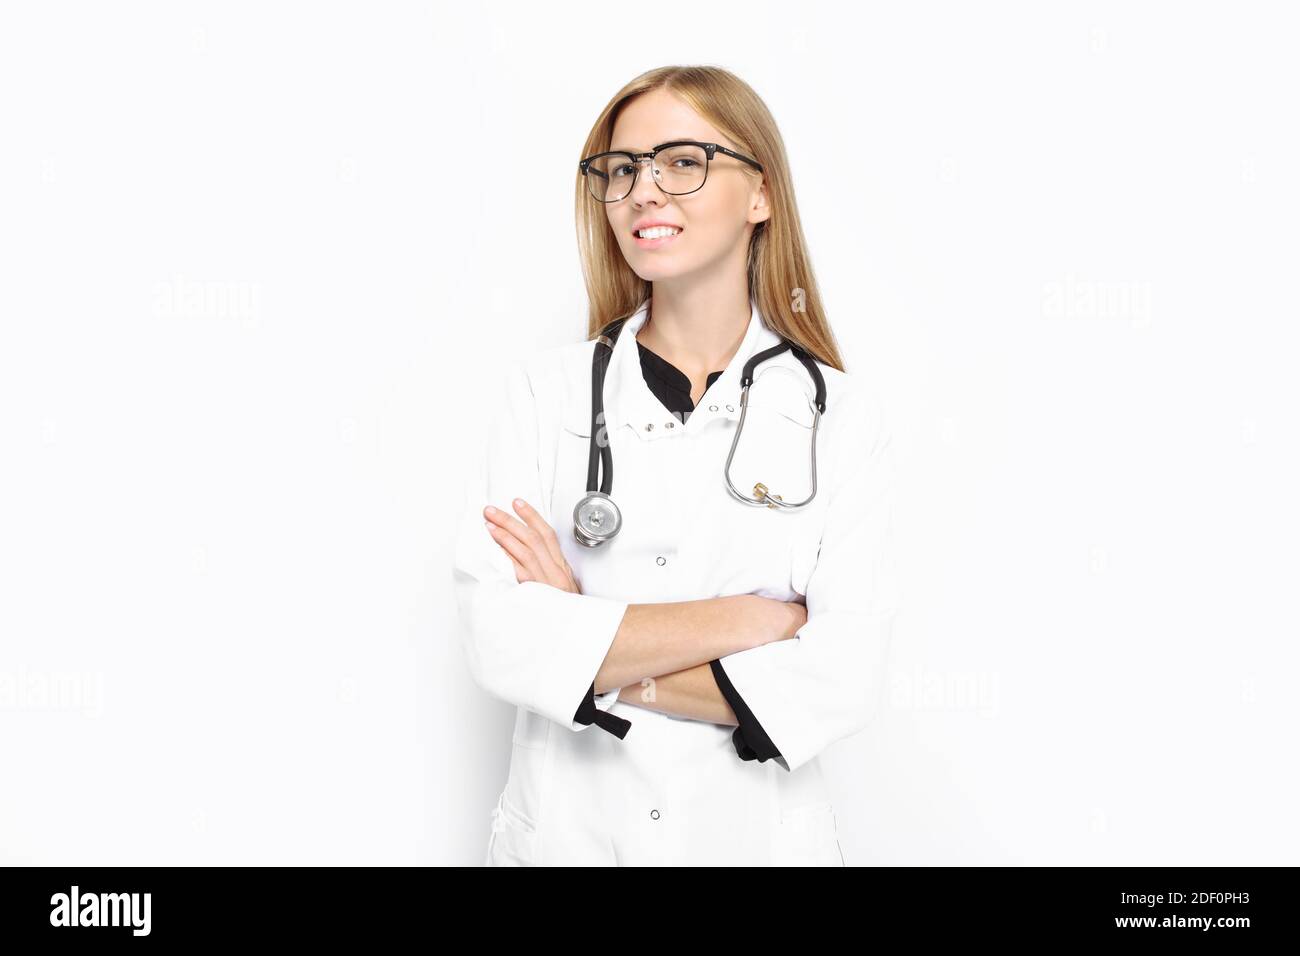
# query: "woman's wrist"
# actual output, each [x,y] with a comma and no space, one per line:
[755,620]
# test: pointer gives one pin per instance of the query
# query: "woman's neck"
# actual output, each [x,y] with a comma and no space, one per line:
[700,335]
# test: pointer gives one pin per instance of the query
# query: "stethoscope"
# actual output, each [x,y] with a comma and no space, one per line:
[596,519]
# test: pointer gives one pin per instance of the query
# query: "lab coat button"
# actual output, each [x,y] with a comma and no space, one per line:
[660,560]
[713,408]
[669,425]
[654,814]
[730,409]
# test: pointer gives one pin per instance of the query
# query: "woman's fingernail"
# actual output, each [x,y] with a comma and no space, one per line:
[489,525]
[520,503]
[489,510]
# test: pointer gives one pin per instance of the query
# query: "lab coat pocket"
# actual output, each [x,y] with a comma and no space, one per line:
[514,836]
[806,836]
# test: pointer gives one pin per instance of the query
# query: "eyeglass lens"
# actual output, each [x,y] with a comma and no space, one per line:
[678,169]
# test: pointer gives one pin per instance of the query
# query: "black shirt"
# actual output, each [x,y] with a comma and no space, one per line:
[672,387]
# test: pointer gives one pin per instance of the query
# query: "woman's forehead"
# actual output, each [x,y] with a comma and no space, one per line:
[659,117]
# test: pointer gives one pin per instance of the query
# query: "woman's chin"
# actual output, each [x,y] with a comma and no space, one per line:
[658,271]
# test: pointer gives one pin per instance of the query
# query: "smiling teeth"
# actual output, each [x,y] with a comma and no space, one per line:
[657,232]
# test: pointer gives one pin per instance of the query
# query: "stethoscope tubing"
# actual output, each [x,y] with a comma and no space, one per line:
[600,459]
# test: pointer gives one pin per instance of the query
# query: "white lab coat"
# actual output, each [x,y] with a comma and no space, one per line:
[673,791]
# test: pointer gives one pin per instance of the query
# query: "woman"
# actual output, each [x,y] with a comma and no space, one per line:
[676,685]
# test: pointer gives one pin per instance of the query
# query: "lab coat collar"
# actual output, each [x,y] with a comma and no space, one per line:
[629,401]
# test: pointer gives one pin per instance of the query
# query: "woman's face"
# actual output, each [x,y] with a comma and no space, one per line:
[716,220]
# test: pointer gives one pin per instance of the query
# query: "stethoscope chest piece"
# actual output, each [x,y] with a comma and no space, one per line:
[596,519]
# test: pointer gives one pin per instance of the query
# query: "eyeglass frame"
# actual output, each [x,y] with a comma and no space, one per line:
[710,149]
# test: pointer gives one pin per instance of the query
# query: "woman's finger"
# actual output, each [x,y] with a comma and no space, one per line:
[541,563]
[521,574]
[519,551]
[544,531]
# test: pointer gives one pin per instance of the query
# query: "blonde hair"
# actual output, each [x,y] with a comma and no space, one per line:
[781,279]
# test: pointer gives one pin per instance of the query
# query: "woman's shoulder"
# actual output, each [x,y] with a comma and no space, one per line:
[559,362]
[554,380]
[556,370]
[854,402]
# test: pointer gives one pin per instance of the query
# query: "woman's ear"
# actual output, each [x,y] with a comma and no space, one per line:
[759,210]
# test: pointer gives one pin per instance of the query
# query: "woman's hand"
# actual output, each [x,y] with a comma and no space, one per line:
[784,618]
[762,620]
[532,546]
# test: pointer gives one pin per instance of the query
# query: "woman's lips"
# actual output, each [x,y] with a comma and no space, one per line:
[656,243]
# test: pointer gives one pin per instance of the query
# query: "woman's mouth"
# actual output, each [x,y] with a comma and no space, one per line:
[656,236]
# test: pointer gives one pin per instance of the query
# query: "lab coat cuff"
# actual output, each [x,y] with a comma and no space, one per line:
[819,687]
[750,674]
[590,624]
[749,738]
[594,709]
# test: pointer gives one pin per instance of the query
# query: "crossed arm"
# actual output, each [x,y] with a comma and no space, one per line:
[691,692]
[661,652]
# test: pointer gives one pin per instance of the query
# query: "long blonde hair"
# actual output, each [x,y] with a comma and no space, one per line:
[781,279]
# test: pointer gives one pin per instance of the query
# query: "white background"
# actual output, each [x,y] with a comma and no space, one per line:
[248,306]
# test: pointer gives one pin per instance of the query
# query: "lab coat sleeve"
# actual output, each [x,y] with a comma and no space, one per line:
[823,685]
[528,643]
[749,738]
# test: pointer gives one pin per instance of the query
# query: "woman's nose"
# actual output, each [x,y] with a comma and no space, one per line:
[646,186]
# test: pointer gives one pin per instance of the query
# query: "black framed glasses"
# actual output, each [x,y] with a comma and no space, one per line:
[679,167]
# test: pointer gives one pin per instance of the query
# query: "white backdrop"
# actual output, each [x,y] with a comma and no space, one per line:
[246,308]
